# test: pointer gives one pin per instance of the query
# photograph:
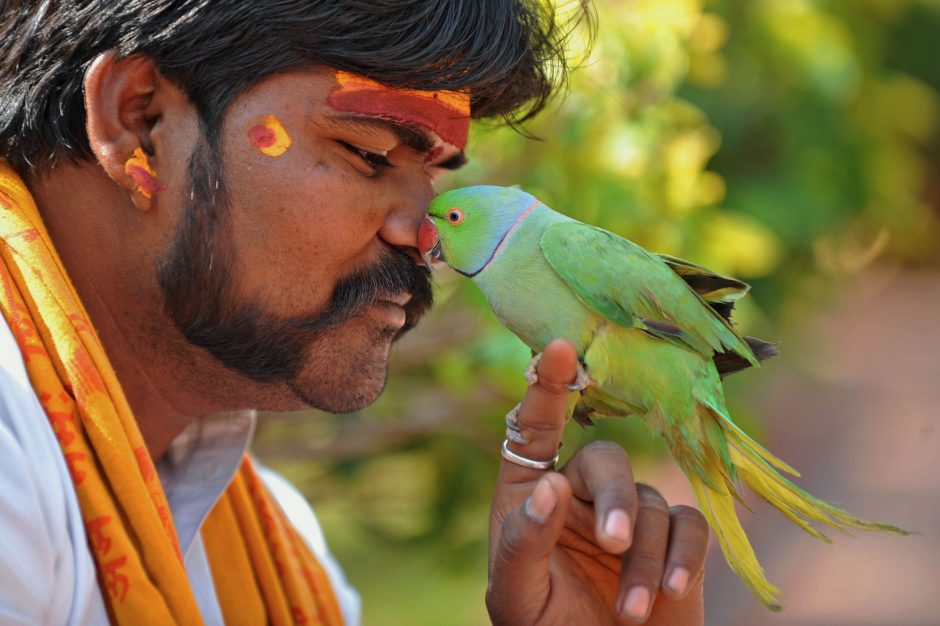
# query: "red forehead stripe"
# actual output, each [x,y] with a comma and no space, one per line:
[445,113]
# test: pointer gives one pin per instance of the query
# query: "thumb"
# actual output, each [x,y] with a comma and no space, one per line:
[519,584]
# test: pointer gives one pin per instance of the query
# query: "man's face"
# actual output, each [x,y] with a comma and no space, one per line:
[311,245]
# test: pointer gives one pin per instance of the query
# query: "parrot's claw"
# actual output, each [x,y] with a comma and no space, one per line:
[582,415]
[513,432]
[531,375]
[582,381]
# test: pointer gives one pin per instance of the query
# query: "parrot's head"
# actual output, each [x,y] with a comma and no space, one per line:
[464,227]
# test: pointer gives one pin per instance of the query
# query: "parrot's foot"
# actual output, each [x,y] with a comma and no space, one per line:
[582,381]
[582,415]
[531,376]
[513,431]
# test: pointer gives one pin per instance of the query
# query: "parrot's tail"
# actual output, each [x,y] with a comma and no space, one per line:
[716,499]
[714,486]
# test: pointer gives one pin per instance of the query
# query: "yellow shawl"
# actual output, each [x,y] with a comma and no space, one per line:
[263,571]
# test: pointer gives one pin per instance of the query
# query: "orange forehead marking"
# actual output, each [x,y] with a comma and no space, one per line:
[446,113]
[269,136]
[457,100]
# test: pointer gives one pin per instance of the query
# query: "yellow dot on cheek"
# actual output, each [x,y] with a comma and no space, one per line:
[269,136]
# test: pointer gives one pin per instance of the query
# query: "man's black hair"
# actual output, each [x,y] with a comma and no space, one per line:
[509,53]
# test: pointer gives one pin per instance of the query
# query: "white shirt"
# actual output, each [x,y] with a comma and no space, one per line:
[47,575]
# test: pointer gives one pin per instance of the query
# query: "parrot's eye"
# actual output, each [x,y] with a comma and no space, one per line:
[455,216]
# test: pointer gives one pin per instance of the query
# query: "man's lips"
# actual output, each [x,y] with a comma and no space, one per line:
[393,313]
[400,299]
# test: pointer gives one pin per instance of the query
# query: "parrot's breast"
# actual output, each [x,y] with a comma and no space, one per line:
[528,296]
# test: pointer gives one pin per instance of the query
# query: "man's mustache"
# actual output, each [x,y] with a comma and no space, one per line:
[268,349]
[393,274]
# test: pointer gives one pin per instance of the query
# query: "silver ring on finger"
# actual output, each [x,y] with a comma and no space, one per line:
[518,459]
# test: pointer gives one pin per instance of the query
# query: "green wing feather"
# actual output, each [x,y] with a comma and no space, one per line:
[636,289]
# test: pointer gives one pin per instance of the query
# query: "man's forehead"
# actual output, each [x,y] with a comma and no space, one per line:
[445,113]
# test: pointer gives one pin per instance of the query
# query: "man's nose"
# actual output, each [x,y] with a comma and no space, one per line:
[408,207]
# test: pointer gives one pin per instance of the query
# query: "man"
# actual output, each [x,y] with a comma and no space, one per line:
[212,207]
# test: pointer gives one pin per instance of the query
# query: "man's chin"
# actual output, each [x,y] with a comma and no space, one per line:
[340,384]
[340,399]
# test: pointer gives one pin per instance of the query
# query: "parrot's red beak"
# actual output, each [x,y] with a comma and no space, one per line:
[428,242]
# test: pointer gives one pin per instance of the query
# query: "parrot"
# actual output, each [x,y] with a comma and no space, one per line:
[654,339]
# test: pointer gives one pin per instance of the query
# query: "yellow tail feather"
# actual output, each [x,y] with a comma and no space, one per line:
[718,508]
[798,505]
[756,467]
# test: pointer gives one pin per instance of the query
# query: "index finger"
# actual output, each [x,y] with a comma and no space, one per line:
[542,415]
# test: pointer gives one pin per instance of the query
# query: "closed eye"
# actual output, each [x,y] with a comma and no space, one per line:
[375,160]
[453,163]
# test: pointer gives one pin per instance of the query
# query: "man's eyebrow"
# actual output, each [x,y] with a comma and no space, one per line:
[411,136]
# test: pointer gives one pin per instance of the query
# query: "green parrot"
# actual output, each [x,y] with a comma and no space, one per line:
[654,335]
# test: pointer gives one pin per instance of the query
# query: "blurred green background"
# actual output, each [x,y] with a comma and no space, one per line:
[792,143]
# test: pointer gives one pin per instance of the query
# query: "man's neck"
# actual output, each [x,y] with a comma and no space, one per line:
[93,228]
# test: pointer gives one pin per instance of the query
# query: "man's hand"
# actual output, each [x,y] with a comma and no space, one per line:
[586,544]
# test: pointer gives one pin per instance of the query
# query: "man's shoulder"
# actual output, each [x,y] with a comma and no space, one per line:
[47,572]
[25,433]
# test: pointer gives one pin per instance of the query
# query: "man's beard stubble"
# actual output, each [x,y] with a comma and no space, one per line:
[200,294]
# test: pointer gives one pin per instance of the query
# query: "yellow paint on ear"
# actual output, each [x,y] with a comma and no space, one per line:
[269,136]
[138,168]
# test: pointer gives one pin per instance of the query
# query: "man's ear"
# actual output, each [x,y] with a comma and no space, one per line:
[121,111]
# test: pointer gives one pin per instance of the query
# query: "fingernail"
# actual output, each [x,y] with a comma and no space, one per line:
[542,502]
[678,580]
[636,604]
[617,526]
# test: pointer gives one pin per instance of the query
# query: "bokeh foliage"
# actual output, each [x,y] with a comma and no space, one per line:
[791,143]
